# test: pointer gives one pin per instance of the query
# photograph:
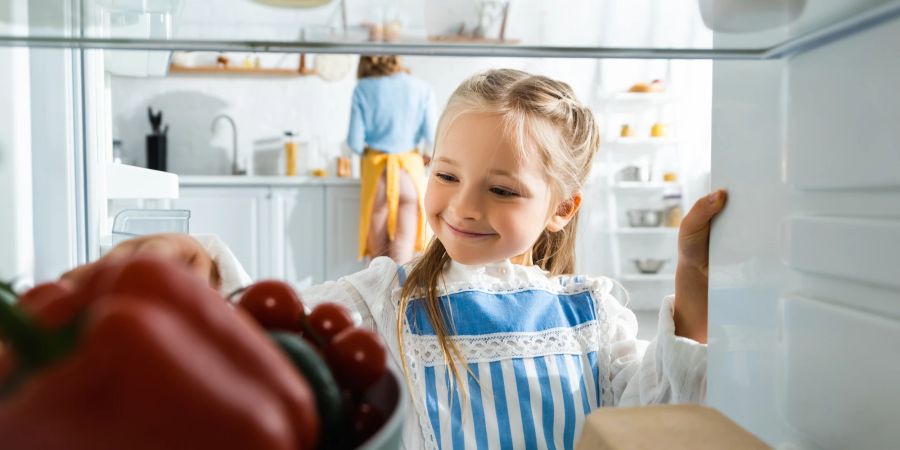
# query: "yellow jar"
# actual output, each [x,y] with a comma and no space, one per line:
[290,156]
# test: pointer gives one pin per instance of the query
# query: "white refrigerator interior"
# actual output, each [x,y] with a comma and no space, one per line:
[15,156]
[805,283]
[804,279]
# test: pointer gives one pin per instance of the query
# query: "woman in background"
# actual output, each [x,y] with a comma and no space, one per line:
[393,114]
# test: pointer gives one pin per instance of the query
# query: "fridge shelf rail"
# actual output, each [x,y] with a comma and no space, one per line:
[186,26]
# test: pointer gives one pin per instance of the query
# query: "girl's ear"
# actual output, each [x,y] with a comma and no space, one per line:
[564,213]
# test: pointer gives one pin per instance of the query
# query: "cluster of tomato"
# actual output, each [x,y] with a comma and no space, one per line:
[344,364]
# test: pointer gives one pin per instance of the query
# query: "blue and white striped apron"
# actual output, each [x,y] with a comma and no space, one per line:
[534,363]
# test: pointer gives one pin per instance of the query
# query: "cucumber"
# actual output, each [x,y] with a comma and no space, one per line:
[328,394]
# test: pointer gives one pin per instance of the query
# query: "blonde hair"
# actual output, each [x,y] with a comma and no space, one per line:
[379,66]
[541,116]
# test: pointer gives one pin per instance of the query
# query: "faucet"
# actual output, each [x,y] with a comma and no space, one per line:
[235,170]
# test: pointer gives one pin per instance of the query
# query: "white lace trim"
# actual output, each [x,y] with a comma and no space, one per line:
[582,339]
[594,285]
[605,351]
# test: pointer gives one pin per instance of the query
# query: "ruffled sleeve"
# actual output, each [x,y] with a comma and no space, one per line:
[668,369]
[364,293]
[231,272]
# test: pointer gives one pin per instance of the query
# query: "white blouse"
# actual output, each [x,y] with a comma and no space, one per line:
[543,352]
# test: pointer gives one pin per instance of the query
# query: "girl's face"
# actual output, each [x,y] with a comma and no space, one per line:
[483,201]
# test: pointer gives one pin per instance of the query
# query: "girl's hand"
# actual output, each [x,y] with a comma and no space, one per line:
[180,248]
[692,273]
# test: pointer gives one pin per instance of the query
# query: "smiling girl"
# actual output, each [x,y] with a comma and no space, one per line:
[501,345]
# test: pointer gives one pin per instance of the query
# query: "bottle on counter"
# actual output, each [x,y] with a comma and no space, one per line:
[290,154]
[343,167]
[118,154]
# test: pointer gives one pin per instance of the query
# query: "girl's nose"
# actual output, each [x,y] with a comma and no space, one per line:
[466,204]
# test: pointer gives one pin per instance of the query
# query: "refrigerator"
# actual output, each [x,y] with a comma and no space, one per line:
[804,313]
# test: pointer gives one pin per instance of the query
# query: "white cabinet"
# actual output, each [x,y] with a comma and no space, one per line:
[302,233]
[241,216]
[342,229]
[299,234]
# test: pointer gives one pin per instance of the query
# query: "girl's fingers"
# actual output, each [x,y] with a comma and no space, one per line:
[703,211]
[693,237]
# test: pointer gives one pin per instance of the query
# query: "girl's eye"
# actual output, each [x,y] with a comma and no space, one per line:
[445,177]
[503,192]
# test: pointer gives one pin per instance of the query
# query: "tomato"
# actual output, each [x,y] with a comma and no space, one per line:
[273,304]
[366,422]
[357,358]
[329,319]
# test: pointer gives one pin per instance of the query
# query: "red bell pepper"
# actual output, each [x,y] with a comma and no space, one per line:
[159,360]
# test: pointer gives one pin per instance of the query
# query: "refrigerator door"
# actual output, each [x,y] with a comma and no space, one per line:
[804,282]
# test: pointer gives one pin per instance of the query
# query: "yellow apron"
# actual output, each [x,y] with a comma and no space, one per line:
[373,165]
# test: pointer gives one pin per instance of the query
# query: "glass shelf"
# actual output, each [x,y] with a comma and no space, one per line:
[640,186]
[659,231]
[529,28]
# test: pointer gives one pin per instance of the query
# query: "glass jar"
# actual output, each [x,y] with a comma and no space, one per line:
[673,212]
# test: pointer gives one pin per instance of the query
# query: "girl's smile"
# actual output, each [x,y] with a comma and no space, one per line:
[467,234]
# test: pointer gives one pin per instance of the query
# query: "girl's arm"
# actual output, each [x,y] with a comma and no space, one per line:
[669,369]
[209,257]
[363,292]
[196,253]
[692,273]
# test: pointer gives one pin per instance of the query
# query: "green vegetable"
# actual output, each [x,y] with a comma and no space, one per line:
[328,394]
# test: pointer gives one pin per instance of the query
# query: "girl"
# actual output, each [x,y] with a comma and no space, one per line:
[501,346]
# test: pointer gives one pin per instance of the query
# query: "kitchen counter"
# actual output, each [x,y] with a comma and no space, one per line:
[262,180]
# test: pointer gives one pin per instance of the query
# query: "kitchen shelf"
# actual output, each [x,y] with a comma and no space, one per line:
[636,100]
[629,149]
[662,231]
[639,186]
[660,277]
[246,26]
[637,144]
[175,69]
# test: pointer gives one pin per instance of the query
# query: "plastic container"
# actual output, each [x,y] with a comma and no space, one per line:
[130,223]
[673,212]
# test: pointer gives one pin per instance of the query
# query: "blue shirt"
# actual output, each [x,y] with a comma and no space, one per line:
[392,114]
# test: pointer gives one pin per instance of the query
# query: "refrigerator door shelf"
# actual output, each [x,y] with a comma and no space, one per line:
[130,182]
